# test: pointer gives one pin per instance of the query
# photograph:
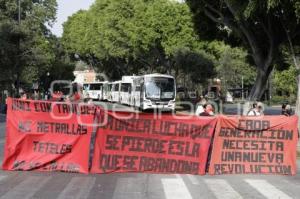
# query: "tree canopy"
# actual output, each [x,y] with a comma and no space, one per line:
[231,64]
[131,36]
[260,26]
[28,50]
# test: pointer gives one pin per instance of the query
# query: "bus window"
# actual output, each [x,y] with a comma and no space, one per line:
[117,87]
[95,87]
[86,86]
[125,87]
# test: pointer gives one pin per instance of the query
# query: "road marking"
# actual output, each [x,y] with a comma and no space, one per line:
[266,189]
[132,188]
[27,188]
[175,188]
[221,189]
[78,187]
[193,179]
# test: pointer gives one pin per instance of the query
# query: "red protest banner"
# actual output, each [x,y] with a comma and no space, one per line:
[47,136]
[255,145]
[128,142]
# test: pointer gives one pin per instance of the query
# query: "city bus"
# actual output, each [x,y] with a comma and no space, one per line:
[154,91]
[126,89]
[94,90]
[106,91]
[115,91]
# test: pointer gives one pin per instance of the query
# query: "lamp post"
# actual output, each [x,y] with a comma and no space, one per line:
[19,11]
[48,81]
[18,61]
[242,88]
[47,86]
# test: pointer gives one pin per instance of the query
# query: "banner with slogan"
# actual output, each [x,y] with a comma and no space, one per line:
[48,136]
[129,142]
[255,145]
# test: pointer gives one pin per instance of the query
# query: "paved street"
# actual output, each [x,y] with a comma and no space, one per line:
[133,186]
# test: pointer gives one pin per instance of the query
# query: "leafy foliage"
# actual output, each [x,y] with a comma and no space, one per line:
[284,81]
[28,50]
[231,64]
[131,36]
[261,26]
[24,48]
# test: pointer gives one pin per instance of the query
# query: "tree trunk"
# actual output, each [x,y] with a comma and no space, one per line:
[260,85]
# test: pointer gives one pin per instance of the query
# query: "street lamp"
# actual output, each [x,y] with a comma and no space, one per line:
[18,61]
[47,85]
[242,88]
[19,12]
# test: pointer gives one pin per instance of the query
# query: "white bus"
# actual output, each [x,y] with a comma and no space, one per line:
[115,91]
[126,89]
[94,90]
[86,87]
[154,91]
[109,91]
[106,91]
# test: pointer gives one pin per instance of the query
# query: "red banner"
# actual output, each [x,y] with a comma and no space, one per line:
[48,136]
[255,145]
[128,142]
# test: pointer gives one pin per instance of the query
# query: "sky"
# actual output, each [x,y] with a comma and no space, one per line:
[65,9]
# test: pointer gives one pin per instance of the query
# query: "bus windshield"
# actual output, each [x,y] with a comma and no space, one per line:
[86,87]
[160,87]
[95,86]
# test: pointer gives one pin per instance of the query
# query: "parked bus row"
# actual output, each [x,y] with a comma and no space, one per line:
[153,91]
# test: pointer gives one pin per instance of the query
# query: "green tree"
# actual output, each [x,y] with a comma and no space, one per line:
[24,47]
[193,67]
[131,36]
[261,26]
[231,64]
[284,82]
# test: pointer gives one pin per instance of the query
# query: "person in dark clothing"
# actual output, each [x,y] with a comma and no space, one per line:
[286,110]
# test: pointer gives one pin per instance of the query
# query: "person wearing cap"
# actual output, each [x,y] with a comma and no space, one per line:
[257,110]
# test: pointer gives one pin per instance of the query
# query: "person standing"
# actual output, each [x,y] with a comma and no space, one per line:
[77,94]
